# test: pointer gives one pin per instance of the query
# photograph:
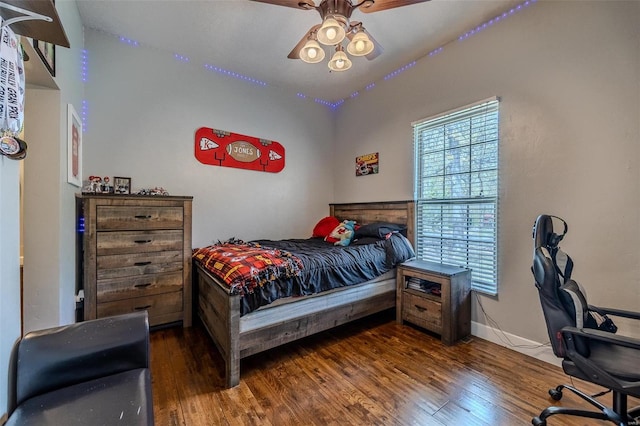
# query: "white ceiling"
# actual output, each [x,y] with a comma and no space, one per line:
[254,39]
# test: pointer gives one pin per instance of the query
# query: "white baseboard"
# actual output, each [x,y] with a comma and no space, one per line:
[543,353]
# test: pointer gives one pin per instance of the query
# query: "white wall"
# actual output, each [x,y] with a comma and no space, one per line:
[49,243]
[568,74]
[9,267]
[144,109]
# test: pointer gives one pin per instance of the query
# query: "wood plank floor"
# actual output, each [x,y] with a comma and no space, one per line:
[371,372]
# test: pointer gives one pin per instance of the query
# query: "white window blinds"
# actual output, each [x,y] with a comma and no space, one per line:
[456,191]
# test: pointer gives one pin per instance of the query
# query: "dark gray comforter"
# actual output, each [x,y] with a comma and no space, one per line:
[326,267]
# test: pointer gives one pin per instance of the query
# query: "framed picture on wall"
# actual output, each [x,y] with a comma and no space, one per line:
[74,147]
[47,52]
[121,185]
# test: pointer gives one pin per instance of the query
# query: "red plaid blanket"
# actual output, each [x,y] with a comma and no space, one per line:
[245,266]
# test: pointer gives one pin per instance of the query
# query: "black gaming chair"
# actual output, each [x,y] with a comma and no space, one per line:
[583,335]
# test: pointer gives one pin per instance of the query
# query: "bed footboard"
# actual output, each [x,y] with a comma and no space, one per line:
[220,314]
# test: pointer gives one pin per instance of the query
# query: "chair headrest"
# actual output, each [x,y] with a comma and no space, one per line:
[543,235]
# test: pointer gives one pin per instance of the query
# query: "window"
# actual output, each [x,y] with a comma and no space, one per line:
[456,191]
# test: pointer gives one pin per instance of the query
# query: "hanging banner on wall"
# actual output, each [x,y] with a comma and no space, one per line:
[221,148]
[12,90]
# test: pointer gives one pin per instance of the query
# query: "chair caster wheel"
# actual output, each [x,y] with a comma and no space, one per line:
[537,421]
[555,394]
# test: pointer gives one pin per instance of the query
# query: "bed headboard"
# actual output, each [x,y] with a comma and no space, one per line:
[381,211]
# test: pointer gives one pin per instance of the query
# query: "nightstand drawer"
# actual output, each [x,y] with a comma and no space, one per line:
[143,285]
[138,217]
[422,312]
[138,241]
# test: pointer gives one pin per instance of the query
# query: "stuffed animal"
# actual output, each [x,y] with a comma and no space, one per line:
[342,234]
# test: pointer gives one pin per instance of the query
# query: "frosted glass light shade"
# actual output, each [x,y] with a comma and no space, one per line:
[312,52]
[360,44]
[331,32]
[339,62]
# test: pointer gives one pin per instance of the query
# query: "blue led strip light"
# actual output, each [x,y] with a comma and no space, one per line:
[495,20]
[129,41]
[396,72]
[180,58]
[84,114]
[234,75]
[84,72]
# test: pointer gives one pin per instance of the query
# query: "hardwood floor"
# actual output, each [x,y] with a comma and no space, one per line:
[371,372]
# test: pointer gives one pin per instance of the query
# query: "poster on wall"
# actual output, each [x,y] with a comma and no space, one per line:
[367,164]
[74,147]
[221,148]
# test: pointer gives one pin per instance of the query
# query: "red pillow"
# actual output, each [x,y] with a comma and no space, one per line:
[325,226]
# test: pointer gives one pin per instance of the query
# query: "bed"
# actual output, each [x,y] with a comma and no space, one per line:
[238,336]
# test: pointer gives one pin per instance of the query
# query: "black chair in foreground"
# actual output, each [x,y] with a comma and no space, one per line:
[89,373]
[583,335]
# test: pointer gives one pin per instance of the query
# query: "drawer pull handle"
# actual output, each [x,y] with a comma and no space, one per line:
[143,216]
[142,241]
[142,308]
[142,285]
[420,308]
[142,263]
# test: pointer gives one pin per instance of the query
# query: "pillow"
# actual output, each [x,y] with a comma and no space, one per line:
[397,249]
[380,230]
[341,234]
[325,226]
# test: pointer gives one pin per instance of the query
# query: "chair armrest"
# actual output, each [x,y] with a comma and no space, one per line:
[616,312]
[63,356]
[572,336]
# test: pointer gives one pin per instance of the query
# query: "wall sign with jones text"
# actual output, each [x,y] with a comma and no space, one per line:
[221,148]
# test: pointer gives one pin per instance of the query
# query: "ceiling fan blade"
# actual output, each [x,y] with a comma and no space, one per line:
[379,5]
[297,4]
[295,53]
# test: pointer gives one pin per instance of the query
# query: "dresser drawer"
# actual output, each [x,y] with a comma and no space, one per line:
[127,265]
[138,217]
[143,285]
[162,308]
[422,312]
[138,241]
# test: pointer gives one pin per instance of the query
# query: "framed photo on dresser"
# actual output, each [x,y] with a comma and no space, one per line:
[121,185]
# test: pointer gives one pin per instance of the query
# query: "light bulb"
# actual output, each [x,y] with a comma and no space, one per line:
[312,53]
[331,33]
[340,63]
[359,45]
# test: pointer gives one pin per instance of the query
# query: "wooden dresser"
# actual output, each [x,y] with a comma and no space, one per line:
[134,253]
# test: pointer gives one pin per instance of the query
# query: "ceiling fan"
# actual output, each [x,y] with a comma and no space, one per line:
[336,29]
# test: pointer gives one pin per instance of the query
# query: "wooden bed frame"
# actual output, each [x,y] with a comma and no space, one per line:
[238,337]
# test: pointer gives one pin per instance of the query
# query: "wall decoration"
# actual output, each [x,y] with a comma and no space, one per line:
[221,148]
[74,147]
[121,185]
[367,164]
[12,90]
[47,52]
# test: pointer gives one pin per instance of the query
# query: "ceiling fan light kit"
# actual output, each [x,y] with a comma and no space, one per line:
[340,61]
[360,44]
[336,27]
[332,32]
[312,52]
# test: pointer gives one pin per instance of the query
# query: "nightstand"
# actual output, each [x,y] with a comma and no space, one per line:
[435,297]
